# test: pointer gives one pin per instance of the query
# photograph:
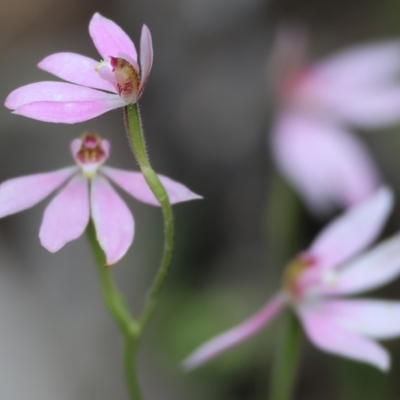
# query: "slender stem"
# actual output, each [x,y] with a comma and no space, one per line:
[287,356]
[138,145]
[120,313]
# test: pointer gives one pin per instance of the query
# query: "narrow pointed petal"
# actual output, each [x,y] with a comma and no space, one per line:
[135,184]
[325,334]
[67,216]
[234,336]
[327,165]
[146,56]
[109,38]
[352,232]
[76,69]
[54,92]
[112,219]
[377,319]
[24,192]
[371,270]
[361,66]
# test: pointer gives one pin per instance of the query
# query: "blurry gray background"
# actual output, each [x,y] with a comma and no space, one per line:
[206,112]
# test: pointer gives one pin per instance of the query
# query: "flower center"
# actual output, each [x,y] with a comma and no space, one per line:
[89,152]
[127,78]
[293,273]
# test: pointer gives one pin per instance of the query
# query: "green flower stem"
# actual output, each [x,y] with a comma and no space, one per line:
[138,145]
[287,355]
[120,313]
[283,227]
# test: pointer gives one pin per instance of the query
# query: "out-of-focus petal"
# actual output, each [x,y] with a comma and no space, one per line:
[135,184]
[24,192]
[76,69]
[353,231]
[112,219]
[234,336]
[59,92]
[328,336]
[375,318]
[67,216]
[326,164]
[375,268]
[361,66]
[146,55]
[109,38]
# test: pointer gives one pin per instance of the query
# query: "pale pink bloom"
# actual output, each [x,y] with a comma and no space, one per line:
[96,87]
[311,140]
[336,264]
[85,190]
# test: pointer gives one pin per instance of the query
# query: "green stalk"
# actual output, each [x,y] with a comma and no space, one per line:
[120,313]
[138,145]
[286,360]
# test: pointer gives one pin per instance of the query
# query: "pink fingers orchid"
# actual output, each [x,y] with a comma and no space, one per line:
[85,190]
[95,87]
[336,264]
[317,103]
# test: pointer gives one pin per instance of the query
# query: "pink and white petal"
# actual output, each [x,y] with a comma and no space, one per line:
[327,165]
[353,231]
[76,69]
[69,112]
[375,268]
[109,38]
[112,219]
[377,319]
[67,216]
[24,192]
[330,337]
[361,66]
[55,92]
[135,184]
[235,336]
[146,56]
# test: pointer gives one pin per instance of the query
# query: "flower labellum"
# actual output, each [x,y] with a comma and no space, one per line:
[94,87]
[85,190]
[315,283]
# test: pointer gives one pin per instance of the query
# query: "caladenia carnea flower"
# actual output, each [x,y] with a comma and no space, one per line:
[318,103]
[96,86]
[85,190]
[335,265]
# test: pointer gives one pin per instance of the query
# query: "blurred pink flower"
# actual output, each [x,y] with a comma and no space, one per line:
[314,283]
[67,215]
[95,87]
[311,141]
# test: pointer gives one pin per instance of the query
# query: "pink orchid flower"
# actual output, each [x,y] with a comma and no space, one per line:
[85,190]
[95,87]
[314,283]
[311,141]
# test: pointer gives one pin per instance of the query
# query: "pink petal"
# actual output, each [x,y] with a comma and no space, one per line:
[112,219]
[109,38]
[234,336]
[350,233]
[326,164]
[375,268]
[374,318]
[146,56]
[135,184]
[361,66]
[76,69]
[59,92]
[24,192]
[328,336]
[67,216]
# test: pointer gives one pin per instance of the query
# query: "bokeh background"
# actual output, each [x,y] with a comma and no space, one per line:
[207,113]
